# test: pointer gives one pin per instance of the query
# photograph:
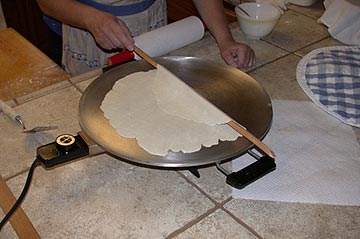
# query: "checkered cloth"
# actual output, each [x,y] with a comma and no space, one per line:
[330,76]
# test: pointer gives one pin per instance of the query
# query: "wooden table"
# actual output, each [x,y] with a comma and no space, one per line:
[24,68]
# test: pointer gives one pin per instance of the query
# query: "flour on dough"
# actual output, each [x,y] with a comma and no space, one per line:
[132,110]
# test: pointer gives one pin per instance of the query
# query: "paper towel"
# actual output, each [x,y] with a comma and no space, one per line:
[170,37]
[318,158]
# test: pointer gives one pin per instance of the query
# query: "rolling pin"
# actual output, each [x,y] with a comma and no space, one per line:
[10,112]
[164,39]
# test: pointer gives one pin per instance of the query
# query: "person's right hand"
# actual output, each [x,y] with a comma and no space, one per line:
[110,32]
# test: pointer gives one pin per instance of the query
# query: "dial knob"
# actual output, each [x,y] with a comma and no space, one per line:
[64,143]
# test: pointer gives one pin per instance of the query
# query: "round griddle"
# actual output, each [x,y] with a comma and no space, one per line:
[231,90]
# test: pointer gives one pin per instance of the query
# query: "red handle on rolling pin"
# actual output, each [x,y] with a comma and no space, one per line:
[120,57]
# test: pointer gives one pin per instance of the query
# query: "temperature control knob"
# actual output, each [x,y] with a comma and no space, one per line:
[64,143]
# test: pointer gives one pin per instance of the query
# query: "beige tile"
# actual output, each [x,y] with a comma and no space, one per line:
[86,76]
[43,92]
[324,43]
[279,79]
[207,49]
[11,103]
[264,51]
[93,74]
[294,220]
[217,225]
[212,182]
[18,151]
[295,31]
[84,84]
[102,197]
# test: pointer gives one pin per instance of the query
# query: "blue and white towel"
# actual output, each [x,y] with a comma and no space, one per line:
[330,76]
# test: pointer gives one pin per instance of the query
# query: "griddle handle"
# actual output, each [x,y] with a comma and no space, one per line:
[250,173]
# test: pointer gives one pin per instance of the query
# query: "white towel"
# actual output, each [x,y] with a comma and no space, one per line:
[317,157]
[342,18]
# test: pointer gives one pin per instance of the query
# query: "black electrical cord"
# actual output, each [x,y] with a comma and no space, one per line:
[22,195]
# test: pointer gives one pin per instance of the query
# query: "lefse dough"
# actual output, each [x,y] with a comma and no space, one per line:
[133,110]
[175,97]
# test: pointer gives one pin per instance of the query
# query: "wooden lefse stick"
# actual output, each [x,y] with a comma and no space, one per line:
[145,56]
[233,124]
[249,136]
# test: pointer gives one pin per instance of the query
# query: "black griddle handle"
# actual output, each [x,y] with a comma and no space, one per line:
[252,172]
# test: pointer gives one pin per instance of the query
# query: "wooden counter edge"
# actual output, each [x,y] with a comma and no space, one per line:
[19,220]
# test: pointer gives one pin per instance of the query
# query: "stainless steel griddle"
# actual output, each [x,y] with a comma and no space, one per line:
[231,90]
[234,92]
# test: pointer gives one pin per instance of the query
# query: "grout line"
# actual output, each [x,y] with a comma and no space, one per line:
[17,174]
[269,62]
[48,90]
[16,101]
[315,42]
[242,223]
[192,223]
[288,52]
[238,220]
[76,87]
[198,188]
[276,45]
[203,216]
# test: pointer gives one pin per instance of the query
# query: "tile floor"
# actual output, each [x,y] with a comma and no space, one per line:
[101,197]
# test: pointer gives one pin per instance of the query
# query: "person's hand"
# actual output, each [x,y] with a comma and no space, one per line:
[110,32]
[237,55]
[280,4]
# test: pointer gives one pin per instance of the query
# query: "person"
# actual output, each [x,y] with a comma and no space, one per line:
[93,29]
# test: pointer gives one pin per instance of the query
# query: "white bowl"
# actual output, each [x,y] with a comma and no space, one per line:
[263,18]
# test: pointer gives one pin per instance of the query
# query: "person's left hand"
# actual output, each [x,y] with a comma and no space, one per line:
[237,55]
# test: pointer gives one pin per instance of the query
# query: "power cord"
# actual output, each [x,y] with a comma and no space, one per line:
[22,195]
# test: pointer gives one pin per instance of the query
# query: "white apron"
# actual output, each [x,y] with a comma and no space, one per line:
[80,52]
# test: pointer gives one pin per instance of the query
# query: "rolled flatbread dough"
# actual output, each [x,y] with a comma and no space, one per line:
[132,109]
